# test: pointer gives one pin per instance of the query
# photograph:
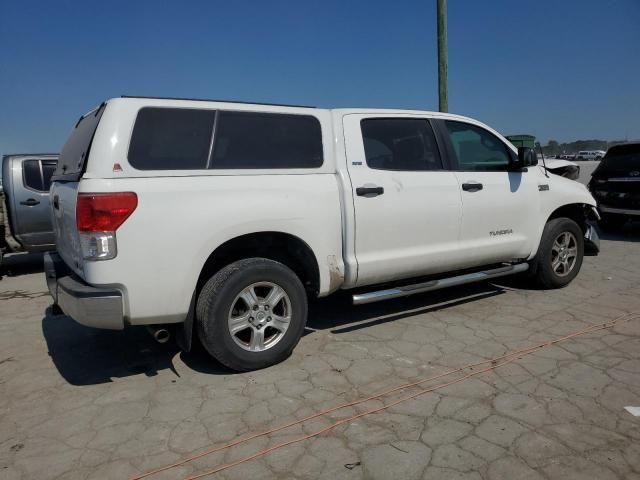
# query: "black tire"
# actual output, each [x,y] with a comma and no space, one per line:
[613,222]
[216,300]
[544,273]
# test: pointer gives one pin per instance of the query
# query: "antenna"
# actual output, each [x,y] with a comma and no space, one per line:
[544,164]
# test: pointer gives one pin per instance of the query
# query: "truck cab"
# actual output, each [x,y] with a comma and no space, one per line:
[25,210]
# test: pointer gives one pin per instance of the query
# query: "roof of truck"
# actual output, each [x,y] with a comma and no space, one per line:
[397,110]
[341,110]
[142,101]
[218,100]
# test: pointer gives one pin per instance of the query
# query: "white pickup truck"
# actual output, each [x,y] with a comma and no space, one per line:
[225,217]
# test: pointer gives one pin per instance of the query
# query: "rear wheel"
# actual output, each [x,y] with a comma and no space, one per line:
[251,314]
[560,253]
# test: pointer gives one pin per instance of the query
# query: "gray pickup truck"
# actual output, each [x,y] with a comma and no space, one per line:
[25,212]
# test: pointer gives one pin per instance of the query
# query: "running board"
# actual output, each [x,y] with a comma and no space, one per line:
[405,291]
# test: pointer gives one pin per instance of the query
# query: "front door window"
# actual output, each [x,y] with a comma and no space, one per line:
[477,150]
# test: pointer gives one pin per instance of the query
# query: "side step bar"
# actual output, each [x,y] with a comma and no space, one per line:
[405,291]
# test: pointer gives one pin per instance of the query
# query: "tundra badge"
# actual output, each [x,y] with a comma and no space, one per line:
[496,233]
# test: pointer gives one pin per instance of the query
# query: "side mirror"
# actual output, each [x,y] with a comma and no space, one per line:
[526,158]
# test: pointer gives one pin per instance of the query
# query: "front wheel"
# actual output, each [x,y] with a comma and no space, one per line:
[251,314]
[560,253]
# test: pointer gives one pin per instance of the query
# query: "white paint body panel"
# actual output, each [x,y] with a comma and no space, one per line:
[513,199]
[413,228]
[422,224]
[158,262]
[562,191]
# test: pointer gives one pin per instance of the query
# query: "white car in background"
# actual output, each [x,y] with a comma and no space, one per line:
[590,154]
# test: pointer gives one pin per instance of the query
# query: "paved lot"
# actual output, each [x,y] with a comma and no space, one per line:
[83,403]
[586,169]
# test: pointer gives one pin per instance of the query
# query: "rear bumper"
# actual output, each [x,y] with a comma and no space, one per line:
[87,305]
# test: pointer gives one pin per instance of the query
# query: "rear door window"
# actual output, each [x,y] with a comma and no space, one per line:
[171,139]
[37,174]
[401,144]
[32,175]
[266,140]
[48,167]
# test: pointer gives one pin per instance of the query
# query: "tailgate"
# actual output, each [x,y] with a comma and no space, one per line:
[63,204]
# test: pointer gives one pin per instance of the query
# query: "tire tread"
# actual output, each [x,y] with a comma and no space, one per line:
[544,275]
[210,296]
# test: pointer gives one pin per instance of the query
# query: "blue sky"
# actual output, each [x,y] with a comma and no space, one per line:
[557,69]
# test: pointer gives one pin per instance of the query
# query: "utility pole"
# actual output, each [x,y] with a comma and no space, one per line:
[443,89]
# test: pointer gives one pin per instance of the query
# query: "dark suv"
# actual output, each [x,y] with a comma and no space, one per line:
[615,184]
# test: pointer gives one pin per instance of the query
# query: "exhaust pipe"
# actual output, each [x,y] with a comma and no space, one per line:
[159,334]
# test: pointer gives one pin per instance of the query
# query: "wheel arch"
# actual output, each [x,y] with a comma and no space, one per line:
[579,212]
[285,248]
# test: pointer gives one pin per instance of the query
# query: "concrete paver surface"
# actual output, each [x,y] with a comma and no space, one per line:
[78,403]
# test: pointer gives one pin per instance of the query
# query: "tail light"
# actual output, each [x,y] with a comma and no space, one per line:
[98,216]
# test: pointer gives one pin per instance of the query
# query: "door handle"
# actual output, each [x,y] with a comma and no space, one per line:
[369,191]
[56,202]
[30,202]
[472,186]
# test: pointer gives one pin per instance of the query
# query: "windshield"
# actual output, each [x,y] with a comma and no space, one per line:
[76,151]
[620,161]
